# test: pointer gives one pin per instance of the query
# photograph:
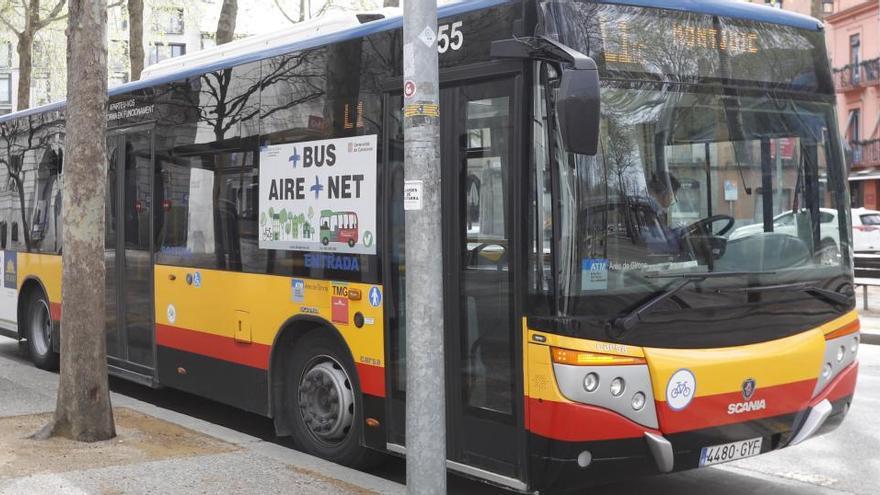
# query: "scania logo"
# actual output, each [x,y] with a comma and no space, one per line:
[748,388]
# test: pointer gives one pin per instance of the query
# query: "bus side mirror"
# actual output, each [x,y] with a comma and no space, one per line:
[577,105]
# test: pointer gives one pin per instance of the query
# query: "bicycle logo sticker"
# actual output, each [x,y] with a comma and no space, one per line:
[681,389]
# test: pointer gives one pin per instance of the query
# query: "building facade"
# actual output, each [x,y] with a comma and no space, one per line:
[854,44]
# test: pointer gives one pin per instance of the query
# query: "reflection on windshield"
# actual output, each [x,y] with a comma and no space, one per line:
[700,182]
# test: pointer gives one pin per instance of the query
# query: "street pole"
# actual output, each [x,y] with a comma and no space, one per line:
[425,382]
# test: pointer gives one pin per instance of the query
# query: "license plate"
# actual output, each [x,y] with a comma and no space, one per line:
[716,454]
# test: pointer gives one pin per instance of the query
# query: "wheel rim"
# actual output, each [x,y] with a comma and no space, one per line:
[326,401]
[41,328]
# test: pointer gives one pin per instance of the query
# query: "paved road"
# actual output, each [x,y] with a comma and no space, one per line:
[844,462]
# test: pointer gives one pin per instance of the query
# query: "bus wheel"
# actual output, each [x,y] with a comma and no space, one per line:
[322,401]
[325,240]
[351,243]
[38,327]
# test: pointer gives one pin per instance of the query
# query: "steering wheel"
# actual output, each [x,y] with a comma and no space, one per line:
[501,262]
[705,225]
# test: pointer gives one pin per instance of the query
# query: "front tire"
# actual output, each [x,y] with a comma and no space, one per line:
[322,401]
[38,330]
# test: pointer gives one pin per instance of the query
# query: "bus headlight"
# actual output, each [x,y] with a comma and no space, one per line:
[826,371]
[617,386]
[841,352]
[591,382]
[638,401]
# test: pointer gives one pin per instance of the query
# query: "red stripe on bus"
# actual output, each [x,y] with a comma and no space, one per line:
[215,346]
[372,379]
[712,410]
[55,311]
[844,385]
[578,422]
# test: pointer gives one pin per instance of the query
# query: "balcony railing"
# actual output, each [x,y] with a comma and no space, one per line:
[857,76]
[866,153]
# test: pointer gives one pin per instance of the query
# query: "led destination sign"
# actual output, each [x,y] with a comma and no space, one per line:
[626,41]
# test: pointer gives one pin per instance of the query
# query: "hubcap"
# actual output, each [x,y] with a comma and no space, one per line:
[326,401]
[41,328]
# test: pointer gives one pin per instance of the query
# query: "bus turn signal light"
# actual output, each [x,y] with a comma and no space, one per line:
[850,328]
[584,358]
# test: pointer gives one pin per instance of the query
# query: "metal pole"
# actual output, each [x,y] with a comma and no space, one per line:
[425,372]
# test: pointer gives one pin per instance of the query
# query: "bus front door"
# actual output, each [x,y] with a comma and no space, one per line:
[483,374]
[128,253]
[478,135]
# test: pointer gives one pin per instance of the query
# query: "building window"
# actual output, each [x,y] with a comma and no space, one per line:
[828,6]
[853,133]
[162,51]
[169,21]
[855,55]
[5,54]
[774,3]
[5,89]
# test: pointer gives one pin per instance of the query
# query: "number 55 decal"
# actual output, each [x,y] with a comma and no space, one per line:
[450,37]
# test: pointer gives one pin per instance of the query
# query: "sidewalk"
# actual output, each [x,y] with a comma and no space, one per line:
[156,451]
[871,317]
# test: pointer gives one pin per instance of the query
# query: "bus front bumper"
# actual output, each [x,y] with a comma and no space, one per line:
[558,464]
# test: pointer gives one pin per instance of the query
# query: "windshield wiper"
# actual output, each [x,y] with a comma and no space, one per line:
[624,324]
[831,297]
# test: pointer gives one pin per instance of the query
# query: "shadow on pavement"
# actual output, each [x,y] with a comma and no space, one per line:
[705,481]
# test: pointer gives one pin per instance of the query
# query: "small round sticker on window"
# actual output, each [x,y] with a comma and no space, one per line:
[171,313]
[681,389]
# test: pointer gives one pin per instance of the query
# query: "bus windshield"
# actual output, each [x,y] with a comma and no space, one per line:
[694,174]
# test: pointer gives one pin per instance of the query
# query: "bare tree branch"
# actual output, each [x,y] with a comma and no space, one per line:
[280,9]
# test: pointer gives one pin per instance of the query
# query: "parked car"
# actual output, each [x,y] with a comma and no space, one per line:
[786,223]
[866,230]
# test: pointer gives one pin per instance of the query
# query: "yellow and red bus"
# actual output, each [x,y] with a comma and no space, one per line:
[680,297]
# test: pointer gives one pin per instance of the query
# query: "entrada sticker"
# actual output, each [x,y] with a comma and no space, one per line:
[681,389]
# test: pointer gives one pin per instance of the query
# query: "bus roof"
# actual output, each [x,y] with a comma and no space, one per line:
[725,8]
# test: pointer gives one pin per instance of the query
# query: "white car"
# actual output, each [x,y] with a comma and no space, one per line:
[785,223]
[866,230]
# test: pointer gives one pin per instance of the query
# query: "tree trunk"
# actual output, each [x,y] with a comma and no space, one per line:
[226,24]
[392,3]
[83,411]
[25,51]
[136,37]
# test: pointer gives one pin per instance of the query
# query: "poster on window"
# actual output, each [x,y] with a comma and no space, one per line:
[319,196]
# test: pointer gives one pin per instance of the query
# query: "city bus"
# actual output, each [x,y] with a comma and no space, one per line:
[339,226]
[647,248]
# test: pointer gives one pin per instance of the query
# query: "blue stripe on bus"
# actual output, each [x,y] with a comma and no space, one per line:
[728,8]
[366,29]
